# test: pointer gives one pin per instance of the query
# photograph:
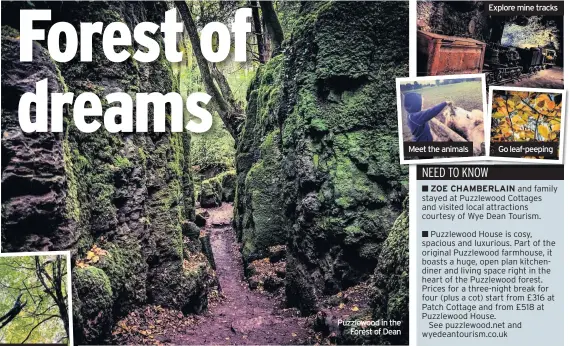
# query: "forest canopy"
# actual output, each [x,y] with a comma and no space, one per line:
[33,299]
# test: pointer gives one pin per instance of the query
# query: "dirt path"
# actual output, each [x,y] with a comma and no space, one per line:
[243,316]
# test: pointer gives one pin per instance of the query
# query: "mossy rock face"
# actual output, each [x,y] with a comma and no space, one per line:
[35,197]
[263,219]
[95,308]
[390,297]
[218,189]
[228,183]
[129,194]
[333,173]
[123,266]
[264,97]
[210,193]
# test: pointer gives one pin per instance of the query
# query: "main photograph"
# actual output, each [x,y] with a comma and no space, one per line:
[285,223]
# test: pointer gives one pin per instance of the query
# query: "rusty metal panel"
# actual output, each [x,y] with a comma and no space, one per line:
[444,55]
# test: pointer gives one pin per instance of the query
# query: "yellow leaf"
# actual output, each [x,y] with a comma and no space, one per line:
[341,305]
[555,127]
[517,120]
[90,255]
[293,334]
[543,131]
[354,308]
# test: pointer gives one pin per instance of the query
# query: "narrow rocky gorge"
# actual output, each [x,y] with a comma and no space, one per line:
[306,223]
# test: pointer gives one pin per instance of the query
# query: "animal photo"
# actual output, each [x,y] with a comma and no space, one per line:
[443,109]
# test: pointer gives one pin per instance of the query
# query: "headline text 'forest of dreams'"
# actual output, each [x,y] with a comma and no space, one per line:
[119,118]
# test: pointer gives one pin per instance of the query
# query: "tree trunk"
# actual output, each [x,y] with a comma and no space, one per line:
[223,84]
[257,31]
[271,22]
[231,116]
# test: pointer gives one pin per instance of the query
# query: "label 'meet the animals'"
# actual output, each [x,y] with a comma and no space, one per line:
[442,149]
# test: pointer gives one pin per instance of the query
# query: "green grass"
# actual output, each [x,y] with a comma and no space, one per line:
[466,95]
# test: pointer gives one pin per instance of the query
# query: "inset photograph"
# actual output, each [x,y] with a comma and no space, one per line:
[521,48]
[526,124]
[35,298]
[441,118]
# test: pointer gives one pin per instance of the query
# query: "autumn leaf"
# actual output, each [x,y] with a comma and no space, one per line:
[517,120]
[354,308]
[530,116]
[543,131]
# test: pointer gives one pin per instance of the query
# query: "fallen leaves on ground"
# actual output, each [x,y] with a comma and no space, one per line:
[151,325]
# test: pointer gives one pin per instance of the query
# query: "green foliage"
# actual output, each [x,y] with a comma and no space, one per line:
[213,149]
[19,276]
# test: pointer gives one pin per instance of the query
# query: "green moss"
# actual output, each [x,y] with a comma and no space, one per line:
[319,125]
[123,265]
[352,229]
[73,209]
[352,187]
[121,162]
[390,295]
[264,217]
[210,193]
[142,155]
[9,32]
[95,308]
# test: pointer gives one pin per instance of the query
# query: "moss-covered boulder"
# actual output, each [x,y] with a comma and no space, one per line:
[94,309]
[210,193]
[228,182]
[258,209]
[319,147]
[218,189]
[390,297]
[264,215]
[123,265]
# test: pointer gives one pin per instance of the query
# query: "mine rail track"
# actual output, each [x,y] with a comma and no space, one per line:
[508,80]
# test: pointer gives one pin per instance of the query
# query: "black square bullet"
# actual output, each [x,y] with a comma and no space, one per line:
[425,188]
[425,234]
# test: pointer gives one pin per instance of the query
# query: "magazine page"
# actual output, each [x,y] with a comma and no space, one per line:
[282,172]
